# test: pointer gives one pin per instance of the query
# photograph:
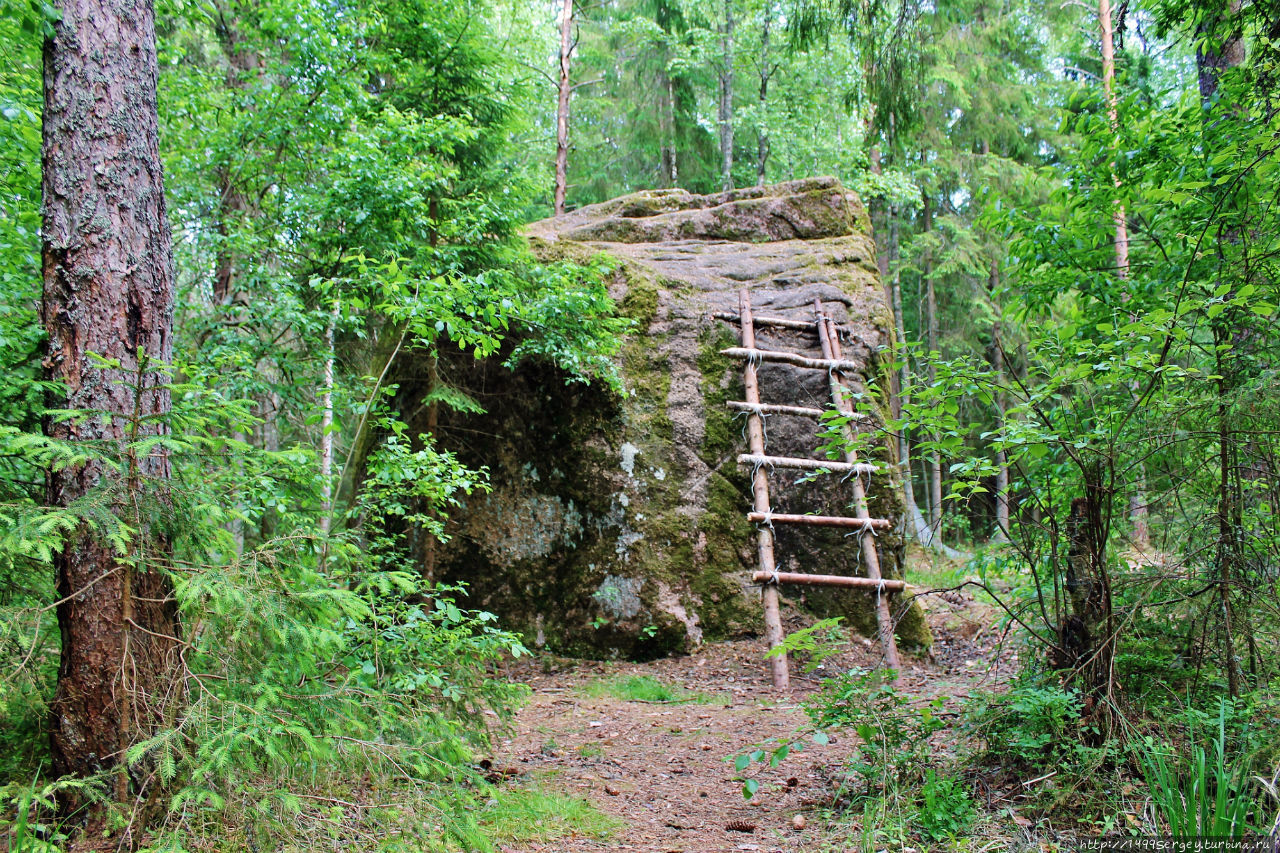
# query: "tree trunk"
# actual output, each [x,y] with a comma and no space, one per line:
[1137,498]
[326,421]
[562,105]
[666,130]
[904,372]
[1002,461]
[233,205]
[108,289]
[726,98]
[931,323]
[762,131]
[997,363]
[1220,48]
[1086,636]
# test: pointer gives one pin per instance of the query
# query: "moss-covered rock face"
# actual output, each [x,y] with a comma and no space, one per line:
[617,525]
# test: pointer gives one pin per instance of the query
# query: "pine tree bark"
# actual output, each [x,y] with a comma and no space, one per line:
[565,89]
[725,113]
[108,289]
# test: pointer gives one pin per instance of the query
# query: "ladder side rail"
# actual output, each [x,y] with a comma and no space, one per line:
[870,555]
[779,669]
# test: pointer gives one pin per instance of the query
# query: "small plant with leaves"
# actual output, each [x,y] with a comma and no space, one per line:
[945,808]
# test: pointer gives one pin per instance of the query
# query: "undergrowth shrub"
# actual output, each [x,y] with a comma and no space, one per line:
[323,682]
[945,809]
[1032,726]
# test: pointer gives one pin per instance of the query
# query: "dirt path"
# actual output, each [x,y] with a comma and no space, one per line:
[666,770]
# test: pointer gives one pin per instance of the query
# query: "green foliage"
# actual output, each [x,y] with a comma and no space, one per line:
[1200,793]
[1031,726]
[945,808]
[893,748]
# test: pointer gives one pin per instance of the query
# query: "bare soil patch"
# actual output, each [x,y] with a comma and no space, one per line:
[666,771]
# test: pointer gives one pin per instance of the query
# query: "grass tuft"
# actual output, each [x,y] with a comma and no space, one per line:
[641,688]
[530,813]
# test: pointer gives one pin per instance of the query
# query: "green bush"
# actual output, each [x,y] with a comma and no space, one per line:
[1030,726]
[945,808]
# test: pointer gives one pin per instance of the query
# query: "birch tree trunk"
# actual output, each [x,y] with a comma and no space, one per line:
[326,422]
[562,105]
[108,289]
[1137,499]
[726,98]
[766,71]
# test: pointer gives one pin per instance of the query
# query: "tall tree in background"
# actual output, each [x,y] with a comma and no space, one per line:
[565,91]
[1137,500]
[725,108]
[108,291]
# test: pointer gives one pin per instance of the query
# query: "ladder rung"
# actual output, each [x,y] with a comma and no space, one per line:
[806,464]
[774,409]
[827,580]
[810,326]
[820,520]
[792,358]
[806,411]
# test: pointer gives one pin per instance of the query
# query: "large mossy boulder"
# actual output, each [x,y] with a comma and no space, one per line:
[617,526]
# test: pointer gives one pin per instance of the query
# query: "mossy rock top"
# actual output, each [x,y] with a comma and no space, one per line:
[617,525]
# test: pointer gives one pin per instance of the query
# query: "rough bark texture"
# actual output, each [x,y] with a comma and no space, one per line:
[618,524]
[108,289]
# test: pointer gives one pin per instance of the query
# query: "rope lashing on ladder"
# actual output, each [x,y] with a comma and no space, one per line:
[864,526]
[764,425]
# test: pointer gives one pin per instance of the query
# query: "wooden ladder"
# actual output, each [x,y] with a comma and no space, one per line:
[834,364]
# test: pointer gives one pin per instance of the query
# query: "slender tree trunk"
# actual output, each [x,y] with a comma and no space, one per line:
[1221,48]
[1137,498]
[931,323]
[562,105]
[326,421]
[726,98]
[108,290]
[1002,461]
[233,205]
[904,437]
[997,362]
[666,130]
[431,546]
[762,133]
[670,104]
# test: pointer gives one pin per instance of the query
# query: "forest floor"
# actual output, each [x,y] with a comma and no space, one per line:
[662,771]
